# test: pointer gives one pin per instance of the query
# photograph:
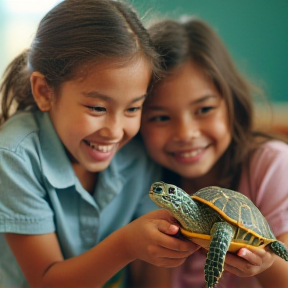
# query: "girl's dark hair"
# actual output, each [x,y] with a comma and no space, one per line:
[193,40]
[72,34]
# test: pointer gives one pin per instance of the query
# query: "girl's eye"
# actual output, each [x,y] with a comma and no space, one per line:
[160,118]
[97,109]
[133,109]
[204,110]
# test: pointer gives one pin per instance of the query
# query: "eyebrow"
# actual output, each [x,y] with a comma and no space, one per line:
[203,99]
[97,95]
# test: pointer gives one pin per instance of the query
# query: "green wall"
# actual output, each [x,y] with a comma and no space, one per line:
[255,32]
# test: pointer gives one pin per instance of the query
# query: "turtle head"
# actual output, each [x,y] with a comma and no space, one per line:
[178,202]
[167,195]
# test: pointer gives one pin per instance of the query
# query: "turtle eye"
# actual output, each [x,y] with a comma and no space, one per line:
[157,189]
[171,190]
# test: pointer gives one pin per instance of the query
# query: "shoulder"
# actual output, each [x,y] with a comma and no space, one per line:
[18,129]
[19,149]
[270,153]
[19,142]
[274,145]
[29,142]
[267,171]
[267,184]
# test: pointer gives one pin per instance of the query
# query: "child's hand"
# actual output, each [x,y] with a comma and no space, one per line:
[249,262]
[149,238]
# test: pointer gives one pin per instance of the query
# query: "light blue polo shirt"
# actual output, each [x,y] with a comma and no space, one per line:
[39,192]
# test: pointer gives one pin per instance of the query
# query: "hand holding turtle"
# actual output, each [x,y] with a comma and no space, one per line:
[249,262]
[149,238]
[220,220]
[258,261]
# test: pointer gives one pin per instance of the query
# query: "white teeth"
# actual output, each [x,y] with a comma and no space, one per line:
[190,154]
[101,148]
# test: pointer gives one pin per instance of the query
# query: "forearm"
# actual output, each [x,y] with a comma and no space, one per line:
[275,276]
[92,268]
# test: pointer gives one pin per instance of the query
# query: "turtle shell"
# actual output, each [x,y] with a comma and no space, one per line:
[236,209]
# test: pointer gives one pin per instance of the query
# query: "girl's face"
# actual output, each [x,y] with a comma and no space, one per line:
[185,123]
[96,115]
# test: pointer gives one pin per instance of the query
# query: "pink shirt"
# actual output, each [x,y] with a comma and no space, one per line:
[267,187]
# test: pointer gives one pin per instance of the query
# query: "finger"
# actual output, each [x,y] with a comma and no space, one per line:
[235,271]
[240,267]
[162,252]
[167,228]
[168,262]
[255,257]
[244,271]
[177,245]
[161,256]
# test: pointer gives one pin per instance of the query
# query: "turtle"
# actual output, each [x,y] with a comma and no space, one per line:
[219,220]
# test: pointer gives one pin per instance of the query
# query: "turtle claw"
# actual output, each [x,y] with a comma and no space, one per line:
[279,249]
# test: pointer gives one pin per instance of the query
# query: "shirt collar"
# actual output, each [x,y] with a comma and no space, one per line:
[109,184]
[55,163]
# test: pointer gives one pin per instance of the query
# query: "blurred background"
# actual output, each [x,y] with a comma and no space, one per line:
[255,32]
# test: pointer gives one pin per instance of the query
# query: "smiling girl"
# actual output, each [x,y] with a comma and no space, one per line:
[70,183]
[198,124]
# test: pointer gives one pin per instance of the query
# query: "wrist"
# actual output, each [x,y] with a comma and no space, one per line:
[126,244]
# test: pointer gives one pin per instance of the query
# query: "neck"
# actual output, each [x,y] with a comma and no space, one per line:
[188,211]
[87,179]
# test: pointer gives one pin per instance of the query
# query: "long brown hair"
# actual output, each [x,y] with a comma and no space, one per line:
[193,40]
[72,34]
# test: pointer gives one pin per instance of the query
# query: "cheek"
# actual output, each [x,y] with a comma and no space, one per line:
[132,127]
[222,131]
[220,121]
[146,133]
[152,139]
[85,124]
[220,128]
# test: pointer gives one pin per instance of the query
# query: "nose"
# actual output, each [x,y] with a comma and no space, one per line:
[186,129]
[113,128]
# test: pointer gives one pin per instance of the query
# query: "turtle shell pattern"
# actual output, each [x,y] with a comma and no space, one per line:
[237,209]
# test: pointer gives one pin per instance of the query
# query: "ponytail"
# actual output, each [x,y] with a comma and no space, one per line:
[15,88]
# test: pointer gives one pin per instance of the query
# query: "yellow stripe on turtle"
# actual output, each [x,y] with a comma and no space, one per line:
[204,241]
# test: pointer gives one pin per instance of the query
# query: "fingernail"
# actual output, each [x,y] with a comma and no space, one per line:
[241,252]
[174,228]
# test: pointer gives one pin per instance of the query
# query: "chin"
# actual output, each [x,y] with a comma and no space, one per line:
[185,173]
[97,167]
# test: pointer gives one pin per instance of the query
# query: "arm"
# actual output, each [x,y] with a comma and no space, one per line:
[144,238]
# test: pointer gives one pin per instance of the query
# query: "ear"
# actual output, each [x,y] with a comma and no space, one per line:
[42,92]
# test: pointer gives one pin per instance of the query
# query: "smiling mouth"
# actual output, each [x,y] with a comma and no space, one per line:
[188,154]
[101,148]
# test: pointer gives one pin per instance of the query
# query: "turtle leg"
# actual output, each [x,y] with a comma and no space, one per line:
[279,249]
[221,236]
